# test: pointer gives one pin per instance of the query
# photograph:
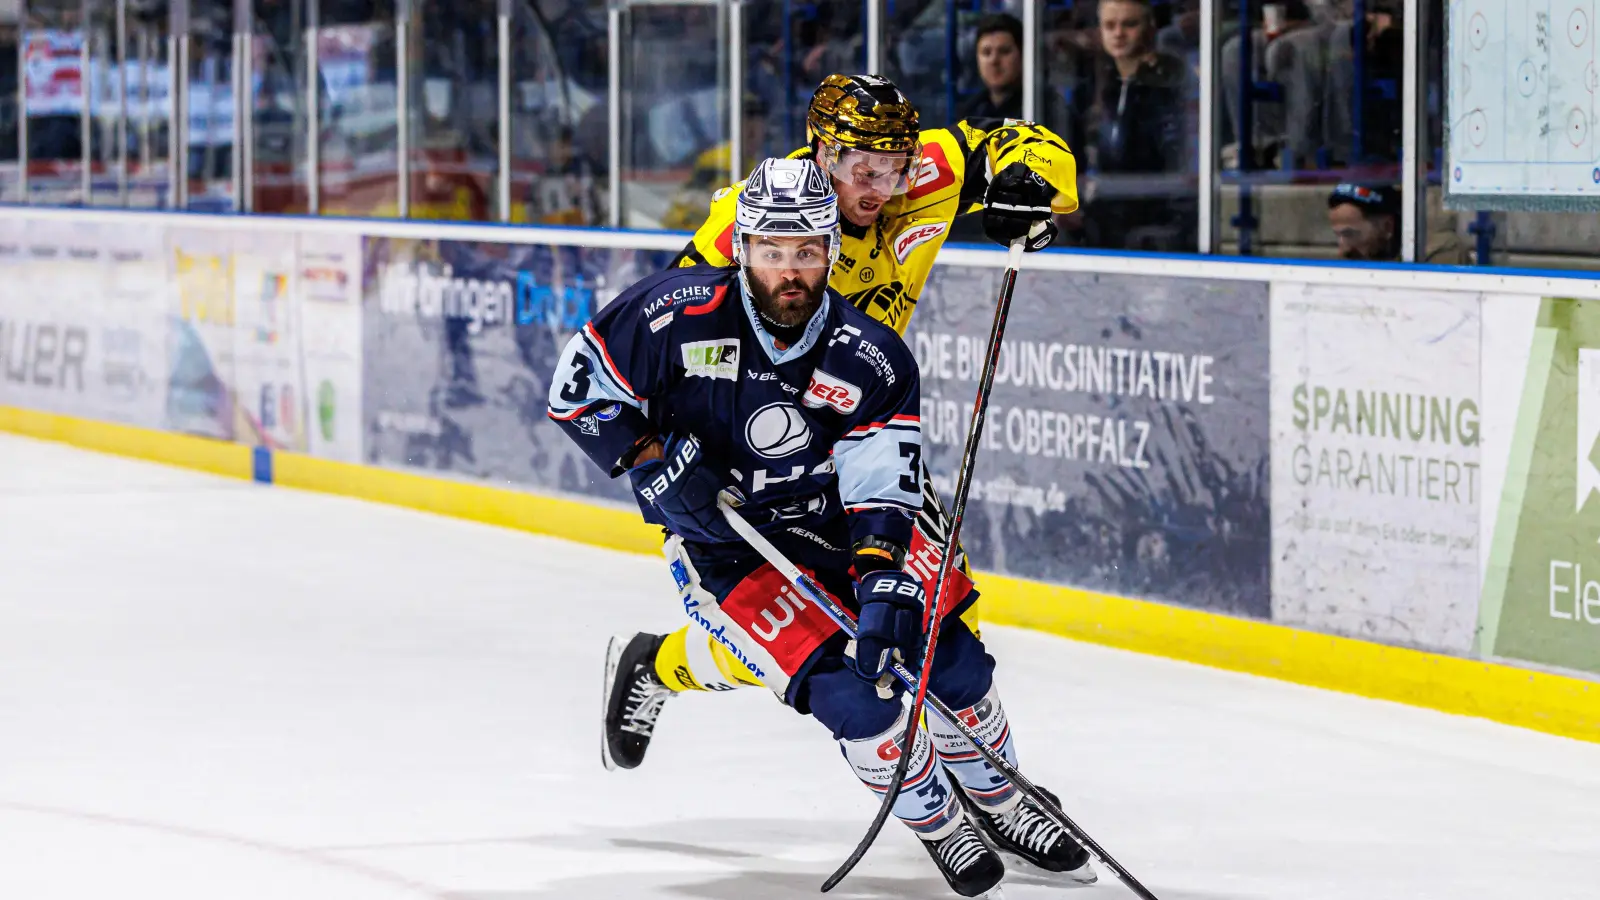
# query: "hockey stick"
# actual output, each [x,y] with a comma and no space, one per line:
[814,592]
[969,458]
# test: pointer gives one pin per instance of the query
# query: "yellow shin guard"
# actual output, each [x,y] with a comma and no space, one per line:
[690,661]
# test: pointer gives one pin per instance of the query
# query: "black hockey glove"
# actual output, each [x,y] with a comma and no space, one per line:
[1017,199]
[684,488]
[890,622]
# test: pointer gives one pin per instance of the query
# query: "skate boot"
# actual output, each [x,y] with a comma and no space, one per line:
[633,698]
[967,862]
[1026,832]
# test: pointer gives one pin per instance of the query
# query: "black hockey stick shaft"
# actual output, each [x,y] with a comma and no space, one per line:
[814,592]
[969,457]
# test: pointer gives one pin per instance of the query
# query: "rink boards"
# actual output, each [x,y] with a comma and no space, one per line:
[1373,479]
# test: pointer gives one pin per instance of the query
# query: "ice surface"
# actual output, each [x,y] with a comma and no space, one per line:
[210,689]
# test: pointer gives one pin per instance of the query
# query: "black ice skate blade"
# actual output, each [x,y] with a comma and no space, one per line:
[1020,871]
[614,651]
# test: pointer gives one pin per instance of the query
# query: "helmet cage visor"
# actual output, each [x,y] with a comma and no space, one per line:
[788,251]
[889,174]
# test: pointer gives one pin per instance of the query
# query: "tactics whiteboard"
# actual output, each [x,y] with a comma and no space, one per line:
[1523,131]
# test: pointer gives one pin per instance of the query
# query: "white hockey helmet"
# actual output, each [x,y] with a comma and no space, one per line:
[786,198]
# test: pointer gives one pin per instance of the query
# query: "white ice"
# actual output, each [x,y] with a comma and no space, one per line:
[210,689]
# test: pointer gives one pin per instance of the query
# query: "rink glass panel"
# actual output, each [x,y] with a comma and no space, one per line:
[1303,100]
[150,85]
[675,92]
[10,53]
[789,47]
[103,84]
[358,168]
[929,53]
[454,100]
[1305,104]
[277,96]
[209,103]
[1135,136]
[559,108]
[1562,240]
[53,42]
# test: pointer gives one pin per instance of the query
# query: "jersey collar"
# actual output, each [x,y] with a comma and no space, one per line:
[808,339]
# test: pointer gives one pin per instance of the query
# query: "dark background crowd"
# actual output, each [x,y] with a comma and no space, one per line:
[1308,98]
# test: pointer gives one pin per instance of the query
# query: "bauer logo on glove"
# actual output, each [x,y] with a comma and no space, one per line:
[669,471]
[683,488]
[890,626]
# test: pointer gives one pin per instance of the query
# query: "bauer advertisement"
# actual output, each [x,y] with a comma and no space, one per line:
[1541,590]
[461,339]
[1375,463]
[81,319]
[1126,443]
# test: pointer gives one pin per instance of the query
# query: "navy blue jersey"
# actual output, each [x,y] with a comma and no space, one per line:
[825,426]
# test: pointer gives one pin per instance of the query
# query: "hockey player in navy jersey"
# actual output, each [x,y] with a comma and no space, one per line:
[760,382]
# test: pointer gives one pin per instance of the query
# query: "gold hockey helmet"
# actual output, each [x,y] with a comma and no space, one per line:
[868,115]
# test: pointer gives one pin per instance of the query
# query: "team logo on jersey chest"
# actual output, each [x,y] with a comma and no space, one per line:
[711,359]
[777,430]
[832,391]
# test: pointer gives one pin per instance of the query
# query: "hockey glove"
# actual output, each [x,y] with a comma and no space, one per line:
[683,487]
[1017,199]
[890,624]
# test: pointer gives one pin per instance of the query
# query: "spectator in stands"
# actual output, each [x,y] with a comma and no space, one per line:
[1181,36]
[998,48]
[999,52]
[1285,58]
[1134,130]
[1366,223]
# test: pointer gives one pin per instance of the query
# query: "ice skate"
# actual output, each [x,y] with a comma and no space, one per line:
[967,862]
[632,701]
[1026,833]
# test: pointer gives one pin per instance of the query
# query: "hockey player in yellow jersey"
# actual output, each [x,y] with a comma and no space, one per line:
[900,187]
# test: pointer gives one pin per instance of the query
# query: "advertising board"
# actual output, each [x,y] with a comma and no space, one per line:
[82,321]
[1126,445]
[460,341]
[1376,423]
[1541,588]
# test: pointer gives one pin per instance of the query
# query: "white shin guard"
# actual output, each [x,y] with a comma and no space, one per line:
[987,788]
[927,802]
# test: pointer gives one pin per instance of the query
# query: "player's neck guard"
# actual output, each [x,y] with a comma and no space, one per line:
[795,350]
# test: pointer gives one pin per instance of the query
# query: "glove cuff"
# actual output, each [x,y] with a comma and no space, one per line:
[876,554]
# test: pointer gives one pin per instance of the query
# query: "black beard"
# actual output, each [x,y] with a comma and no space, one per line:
[785,325]
[785,334]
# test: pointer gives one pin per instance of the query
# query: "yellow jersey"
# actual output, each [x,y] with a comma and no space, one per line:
[883,267]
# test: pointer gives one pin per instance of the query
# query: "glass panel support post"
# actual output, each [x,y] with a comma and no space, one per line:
[1413,191]
[122,103]
[1030,60]
[178,105]
[614,112]
[1208,187]
[735,91]
[503,40]
[402,69]
[313,112]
